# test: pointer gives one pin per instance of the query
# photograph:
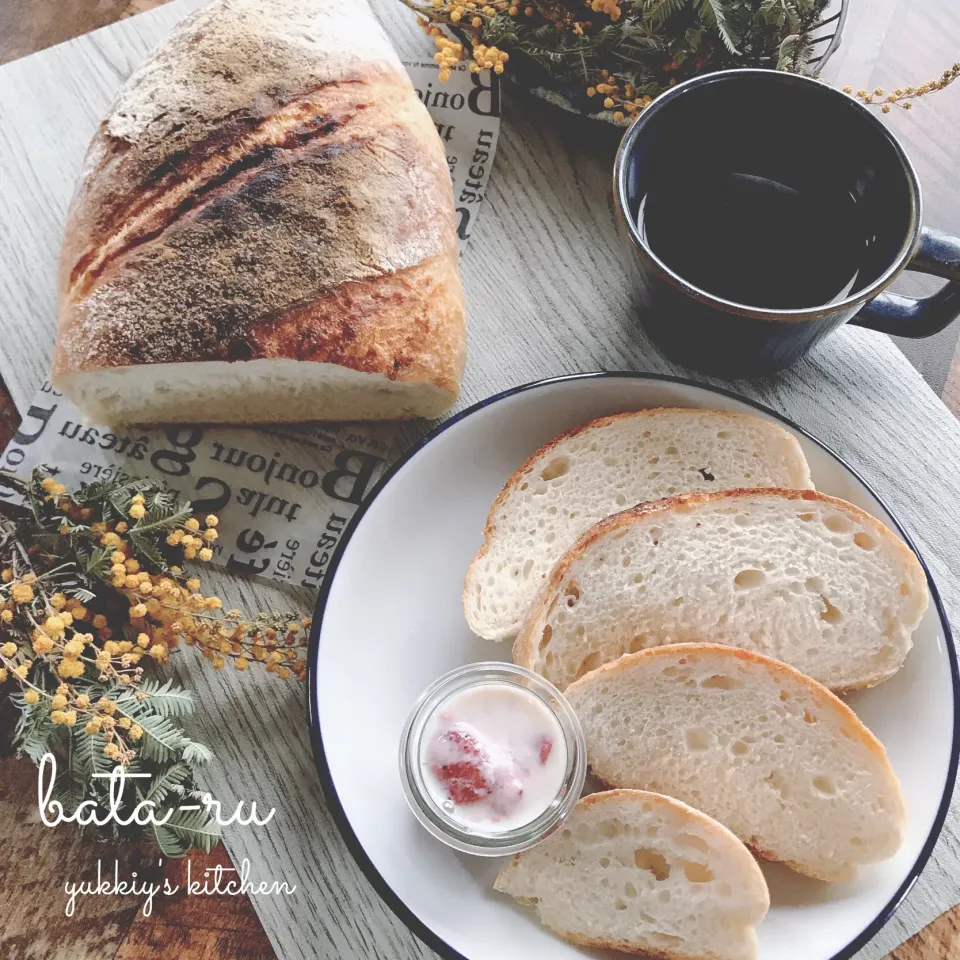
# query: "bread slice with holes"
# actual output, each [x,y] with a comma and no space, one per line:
[796,575]
[642,873]
[768,752]
[600,468]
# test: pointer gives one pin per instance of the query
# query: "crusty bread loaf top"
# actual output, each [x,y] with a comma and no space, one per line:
[807,578]
[602,467]
[768,752]
[643,873]
[266,185]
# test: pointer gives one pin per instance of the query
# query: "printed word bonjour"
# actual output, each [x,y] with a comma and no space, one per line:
[143,814]
[215,881]
[178,454]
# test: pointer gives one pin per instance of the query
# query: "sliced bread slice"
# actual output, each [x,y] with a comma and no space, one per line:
[796,575]
[643,873]
[604,466]
[768,752]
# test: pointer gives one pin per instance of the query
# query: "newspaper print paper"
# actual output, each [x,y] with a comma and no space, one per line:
[466,110]
[283,494]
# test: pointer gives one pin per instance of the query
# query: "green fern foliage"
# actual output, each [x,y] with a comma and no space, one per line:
[83,698]
[185,830]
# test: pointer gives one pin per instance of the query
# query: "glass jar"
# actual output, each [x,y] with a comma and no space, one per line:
[489,839]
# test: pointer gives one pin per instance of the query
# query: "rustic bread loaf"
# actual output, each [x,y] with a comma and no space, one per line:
[768,752]
[600,468]
[263,230]
[796,575]
[646,874]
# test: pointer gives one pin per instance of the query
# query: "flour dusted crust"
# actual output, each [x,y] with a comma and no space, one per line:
[266,186]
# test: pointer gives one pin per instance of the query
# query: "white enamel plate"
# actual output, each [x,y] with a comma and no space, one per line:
[389,622]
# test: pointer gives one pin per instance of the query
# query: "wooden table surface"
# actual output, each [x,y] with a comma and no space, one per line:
[894,42]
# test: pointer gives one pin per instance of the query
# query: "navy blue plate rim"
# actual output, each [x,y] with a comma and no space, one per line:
[383,889]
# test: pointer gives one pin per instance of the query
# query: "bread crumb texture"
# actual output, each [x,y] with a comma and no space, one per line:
[798,576]
[771,754]
[642,873]
[601,468]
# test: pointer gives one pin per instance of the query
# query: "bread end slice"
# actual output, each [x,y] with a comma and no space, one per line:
[645,874]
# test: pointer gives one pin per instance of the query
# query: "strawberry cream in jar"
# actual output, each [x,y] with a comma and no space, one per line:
[492,759]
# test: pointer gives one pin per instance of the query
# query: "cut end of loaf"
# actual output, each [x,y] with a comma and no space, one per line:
[248,391]
[266,185]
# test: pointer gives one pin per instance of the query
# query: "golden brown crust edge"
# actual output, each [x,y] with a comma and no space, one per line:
[420,339]
[525,642]
[648,953]
[515,478]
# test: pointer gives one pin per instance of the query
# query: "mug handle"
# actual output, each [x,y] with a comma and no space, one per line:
[938,254]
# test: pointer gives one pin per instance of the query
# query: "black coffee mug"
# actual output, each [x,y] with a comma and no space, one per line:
[766,209]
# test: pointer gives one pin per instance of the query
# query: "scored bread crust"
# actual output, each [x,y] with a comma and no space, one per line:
[854,728]
[266,186]
[527,639]
[803,480]
[705,822]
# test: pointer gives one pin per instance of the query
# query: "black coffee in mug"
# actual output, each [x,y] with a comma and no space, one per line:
[766,209]
[754,240]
